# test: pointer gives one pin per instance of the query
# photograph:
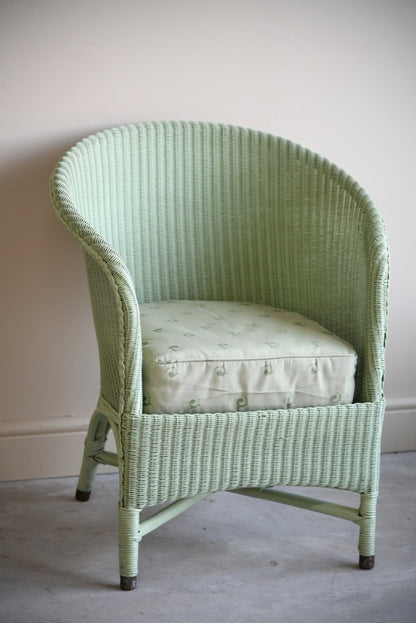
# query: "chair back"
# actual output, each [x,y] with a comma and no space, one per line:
[208,211]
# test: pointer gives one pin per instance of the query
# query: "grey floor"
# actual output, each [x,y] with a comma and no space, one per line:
[228,559]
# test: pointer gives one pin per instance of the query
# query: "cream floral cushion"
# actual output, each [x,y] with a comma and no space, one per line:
[216,356]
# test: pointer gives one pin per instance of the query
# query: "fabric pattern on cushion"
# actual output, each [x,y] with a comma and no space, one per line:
[220,356]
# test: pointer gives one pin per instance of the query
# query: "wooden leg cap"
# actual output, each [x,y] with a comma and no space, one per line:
[366,562]
[128,584]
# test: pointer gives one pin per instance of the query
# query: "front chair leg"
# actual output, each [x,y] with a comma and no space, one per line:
[129,538]
[366,544]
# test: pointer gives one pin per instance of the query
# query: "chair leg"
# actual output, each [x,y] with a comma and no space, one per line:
[94,443]
[366,544]
[129,538]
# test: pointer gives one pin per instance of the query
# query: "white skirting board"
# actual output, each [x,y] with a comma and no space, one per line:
[52,447]
[399,428]
[45,447]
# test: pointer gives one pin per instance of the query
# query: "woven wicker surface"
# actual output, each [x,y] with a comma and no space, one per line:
[188,210]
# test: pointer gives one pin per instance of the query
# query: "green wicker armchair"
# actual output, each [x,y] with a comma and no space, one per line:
[188,211]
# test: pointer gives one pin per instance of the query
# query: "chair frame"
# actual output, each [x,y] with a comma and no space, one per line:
[331,264]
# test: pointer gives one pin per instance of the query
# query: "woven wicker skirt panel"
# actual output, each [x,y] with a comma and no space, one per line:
[177,456]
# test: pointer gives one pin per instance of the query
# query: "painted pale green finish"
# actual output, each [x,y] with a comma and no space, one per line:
[199,211]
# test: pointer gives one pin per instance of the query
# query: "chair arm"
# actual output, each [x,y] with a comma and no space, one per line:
[113,300]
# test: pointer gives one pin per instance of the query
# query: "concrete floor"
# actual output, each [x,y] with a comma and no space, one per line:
[228,559]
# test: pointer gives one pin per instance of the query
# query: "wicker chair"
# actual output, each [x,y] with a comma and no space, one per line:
[200,211]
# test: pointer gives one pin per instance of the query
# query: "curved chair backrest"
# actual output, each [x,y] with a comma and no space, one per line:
[187,210]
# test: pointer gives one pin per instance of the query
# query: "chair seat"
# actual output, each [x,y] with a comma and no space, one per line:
[222,356]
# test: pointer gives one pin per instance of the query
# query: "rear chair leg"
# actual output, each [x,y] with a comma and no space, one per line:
[94,443]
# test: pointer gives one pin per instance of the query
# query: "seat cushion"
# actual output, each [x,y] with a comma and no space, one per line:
[216,356]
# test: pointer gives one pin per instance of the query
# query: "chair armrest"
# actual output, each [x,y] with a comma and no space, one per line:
[113,300]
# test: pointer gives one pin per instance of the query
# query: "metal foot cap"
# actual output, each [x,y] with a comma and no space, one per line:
[128,583]
[366,562]
[82,496]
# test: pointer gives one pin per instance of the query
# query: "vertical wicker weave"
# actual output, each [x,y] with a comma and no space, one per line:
[187,210]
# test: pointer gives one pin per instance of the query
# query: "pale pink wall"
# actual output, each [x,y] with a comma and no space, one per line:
[335,76]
